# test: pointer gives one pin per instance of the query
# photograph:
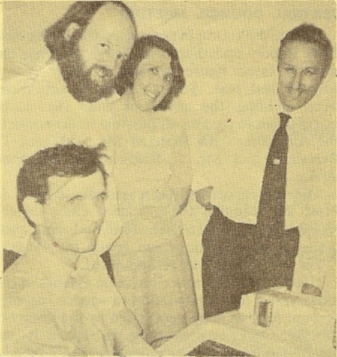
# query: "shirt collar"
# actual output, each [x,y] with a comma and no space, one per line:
[296,115]
[46,263]
[49,266]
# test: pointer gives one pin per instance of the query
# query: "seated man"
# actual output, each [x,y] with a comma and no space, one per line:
[58,297]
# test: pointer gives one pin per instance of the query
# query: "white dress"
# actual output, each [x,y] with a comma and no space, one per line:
[150,260]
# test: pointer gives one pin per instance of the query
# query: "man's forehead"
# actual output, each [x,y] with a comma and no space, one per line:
[110,24]
[308,54]
[111,15]
[70,185]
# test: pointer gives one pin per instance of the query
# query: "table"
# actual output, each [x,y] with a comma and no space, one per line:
[236,330]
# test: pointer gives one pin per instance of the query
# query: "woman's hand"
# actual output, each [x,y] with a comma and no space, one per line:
[181,196]
[204,197]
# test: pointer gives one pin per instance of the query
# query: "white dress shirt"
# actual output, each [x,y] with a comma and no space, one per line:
[50,308]
[233,158]
[39,112]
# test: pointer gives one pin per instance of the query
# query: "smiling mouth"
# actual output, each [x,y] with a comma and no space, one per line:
[99,73]
[151,94]
[293,95]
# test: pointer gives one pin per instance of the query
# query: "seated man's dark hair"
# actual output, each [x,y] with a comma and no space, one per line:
[62,161]
[141,48]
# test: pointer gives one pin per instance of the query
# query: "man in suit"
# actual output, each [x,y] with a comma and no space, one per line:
[240,256]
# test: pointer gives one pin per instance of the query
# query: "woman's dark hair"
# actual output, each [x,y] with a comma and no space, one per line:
[140,50]
[80,13]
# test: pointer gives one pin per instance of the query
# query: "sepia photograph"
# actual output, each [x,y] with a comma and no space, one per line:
[168,178]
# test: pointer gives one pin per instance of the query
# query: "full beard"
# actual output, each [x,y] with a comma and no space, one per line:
[79,82]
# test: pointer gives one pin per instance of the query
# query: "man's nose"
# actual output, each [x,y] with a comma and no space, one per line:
[93,211]
[113,61]
[159,82]
[296,82]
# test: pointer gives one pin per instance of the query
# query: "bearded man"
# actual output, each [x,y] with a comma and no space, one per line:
[66,101]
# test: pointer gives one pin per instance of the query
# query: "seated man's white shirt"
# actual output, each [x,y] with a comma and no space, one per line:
[39,112]
[50,308]
[234,161]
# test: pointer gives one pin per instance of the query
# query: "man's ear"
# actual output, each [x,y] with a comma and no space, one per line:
[325,73]
[33,209]
[71,29]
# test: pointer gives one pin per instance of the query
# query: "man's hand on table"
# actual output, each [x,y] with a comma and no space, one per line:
[310,289]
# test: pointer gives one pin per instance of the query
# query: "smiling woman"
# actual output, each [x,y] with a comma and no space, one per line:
[153,80]
[153,179]
[153,69]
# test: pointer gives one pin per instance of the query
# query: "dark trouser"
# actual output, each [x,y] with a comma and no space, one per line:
[8,258]
[235,262]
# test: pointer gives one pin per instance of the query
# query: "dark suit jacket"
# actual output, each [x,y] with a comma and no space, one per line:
[236,262]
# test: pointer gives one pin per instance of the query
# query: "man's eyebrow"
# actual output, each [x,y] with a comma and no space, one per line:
[108,42]
[74,198]
[103,193]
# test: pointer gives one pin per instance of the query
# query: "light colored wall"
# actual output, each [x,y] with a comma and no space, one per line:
[228,50]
